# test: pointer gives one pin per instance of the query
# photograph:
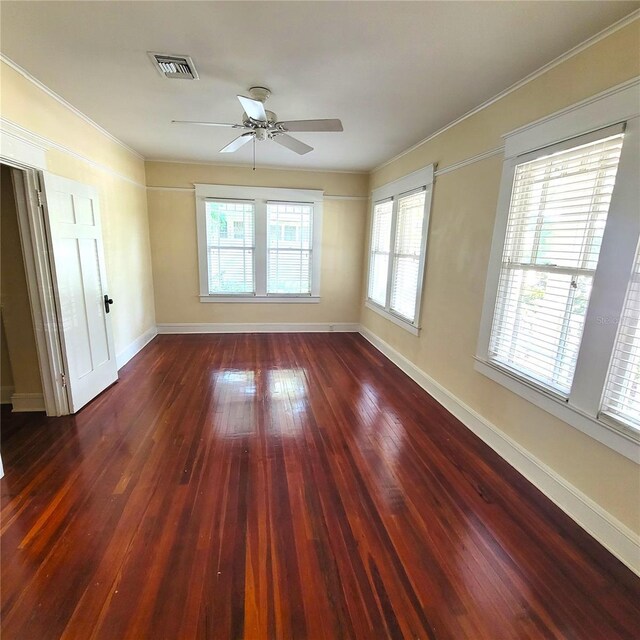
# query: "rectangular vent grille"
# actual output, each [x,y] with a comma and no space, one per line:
[174,66]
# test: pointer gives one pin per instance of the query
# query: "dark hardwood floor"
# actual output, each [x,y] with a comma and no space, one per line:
[285,486]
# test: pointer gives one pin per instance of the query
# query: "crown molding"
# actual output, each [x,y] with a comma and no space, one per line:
[25,74]
[14,130]
[601,35]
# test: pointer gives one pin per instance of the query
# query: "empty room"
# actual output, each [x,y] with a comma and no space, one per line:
[320,320]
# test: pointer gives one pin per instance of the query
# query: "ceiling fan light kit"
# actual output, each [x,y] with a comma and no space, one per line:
[262,125]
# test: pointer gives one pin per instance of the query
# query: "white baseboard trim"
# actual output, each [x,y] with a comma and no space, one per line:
[236,327]
[135,347]
[5,395]
[23,402]
[612,534]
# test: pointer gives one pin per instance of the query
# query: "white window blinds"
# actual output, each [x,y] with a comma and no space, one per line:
[622,392]
[230,246]
[406,254]
[289,247]
[557,214]
[380,249]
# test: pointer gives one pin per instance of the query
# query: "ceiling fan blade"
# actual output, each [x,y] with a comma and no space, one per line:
[253,108]
[292,143]
[312,125]
[234,145]
[209,124]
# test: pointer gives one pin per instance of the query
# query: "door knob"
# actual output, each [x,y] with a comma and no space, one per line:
[107,302]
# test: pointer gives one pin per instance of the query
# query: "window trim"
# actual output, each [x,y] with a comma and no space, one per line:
[259,196]
[420,179]
[582,408]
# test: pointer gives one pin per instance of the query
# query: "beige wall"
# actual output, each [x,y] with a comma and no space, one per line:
[172,221]
[462,219]
[14,297]
[94,158]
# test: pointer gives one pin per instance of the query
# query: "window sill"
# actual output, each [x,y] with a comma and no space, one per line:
[405,324]
[622,441]
[251,299]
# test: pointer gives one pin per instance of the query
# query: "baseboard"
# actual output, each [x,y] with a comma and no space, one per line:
[615,536]
[5,395]
[136,346]
[236,327]
[23,402]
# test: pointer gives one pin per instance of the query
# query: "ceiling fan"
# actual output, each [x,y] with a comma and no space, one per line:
[264,125]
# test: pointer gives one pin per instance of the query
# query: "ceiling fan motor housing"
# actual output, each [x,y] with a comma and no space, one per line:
[272,118]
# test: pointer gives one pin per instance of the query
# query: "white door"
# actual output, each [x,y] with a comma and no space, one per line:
[80,282]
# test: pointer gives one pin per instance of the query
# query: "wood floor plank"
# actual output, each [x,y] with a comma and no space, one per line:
[285,486]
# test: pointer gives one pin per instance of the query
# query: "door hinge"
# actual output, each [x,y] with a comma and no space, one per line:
[40,200]
[63,379]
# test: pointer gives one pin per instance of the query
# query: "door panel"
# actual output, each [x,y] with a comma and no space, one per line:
[80,281]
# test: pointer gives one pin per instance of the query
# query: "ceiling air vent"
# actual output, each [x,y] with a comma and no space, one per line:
[174,66]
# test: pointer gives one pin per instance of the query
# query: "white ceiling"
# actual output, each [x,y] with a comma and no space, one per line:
[394,72]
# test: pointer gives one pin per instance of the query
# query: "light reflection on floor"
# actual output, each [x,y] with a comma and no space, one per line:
[234,402]
[284,392]
[381,437]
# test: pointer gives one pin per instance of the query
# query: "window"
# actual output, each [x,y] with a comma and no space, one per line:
[289,253]
[560,322]
[397,249]
[622,393]
[230,260]
[406,255]
[258,244]
[380,250]
[558,210]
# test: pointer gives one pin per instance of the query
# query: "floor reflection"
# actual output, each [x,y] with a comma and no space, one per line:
[234,395]
[381,437]
[243,381]
[287,396]
[284,393]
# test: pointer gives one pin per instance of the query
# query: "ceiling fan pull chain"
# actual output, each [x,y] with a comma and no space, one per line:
[254,153]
